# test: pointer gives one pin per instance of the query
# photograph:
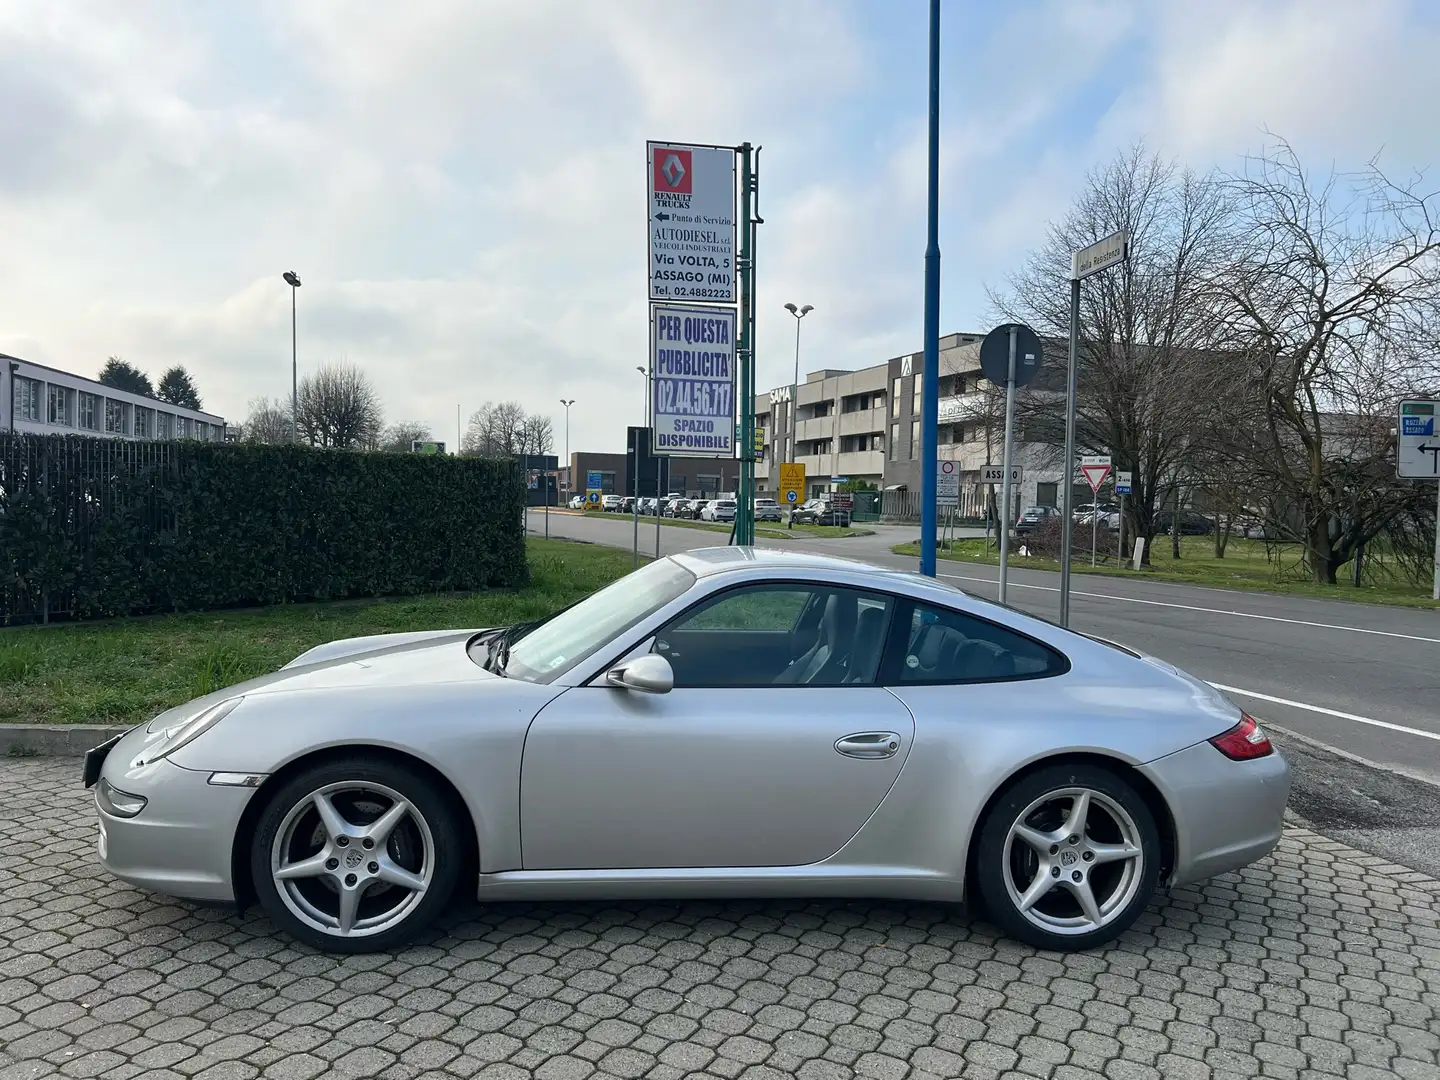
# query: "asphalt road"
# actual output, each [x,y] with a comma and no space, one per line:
[1360,680]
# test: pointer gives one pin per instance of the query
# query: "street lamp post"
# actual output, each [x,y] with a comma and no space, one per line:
[799,314]
[293,280]
[569,470]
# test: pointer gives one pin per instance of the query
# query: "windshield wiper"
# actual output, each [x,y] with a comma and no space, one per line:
[498,655]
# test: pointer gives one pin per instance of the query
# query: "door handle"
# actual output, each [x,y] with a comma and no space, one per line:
[869,744]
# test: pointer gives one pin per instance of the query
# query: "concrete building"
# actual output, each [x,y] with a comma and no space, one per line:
[865,425]
[45,401]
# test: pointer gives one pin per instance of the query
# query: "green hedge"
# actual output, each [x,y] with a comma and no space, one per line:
[99,527]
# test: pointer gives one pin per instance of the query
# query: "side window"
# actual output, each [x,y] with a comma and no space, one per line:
[778,635]
[949,647]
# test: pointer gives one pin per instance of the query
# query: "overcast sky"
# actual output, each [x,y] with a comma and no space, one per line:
[460,185]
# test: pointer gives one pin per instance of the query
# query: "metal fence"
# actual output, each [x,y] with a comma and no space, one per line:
[903,507]
[81,485]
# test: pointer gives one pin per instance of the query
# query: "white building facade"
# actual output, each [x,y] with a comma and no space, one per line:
[39,400]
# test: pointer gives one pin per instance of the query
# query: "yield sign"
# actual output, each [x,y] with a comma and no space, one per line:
[1095,475]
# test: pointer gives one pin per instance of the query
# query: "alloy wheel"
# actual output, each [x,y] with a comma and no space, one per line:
[353,859]
[1073,861]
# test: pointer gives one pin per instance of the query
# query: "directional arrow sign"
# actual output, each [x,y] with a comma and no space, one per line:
[1417,448]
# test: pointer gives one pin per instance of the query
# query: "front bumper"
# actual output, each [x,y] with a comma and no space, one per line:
[180,844]
[1227,814]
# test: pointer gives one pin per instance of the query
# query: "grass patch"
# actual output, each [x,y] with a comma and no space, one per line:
[1247,565]
[126,671]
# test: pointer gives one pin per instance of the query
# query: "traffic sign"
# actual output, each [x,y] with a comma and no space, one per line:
[1115,248]
[426,446]
[792,481]
[995,474]
[1122,483]
[1417,447]
[1096,468]
[592,498]
[691,222]
[995,354]
[947,484]
[594,479]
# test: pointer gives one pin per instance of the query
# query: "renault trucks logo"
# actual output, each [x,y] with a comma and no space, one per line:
[672,172]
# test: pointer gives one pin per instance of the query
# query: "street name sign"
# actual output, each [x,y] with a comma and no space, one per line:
[692,357]
[691,222]
[1417,441]
[1115,248]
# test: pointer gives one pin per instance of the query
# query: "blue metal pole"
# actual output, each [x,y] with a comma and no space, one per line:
[929,403]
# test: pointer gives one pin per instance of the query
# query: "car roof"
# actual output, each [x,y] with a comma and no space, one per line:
[702,562]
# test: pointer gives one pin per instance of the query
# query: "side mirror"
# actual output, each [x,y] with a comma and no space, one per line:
[650,674]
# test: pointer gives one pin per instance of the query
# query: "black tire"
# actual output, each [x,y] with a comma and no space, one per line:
[439,814]
[997,872]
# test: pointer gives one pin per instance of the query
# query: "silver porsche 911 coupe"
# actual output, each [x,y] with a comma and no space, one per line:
[727,722]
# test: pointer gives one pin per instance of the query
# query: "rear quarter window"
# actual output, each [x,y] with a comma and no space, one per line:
[946,646]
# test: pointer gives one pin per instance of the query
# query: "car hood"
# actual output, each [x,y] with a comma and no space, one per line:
[424,657]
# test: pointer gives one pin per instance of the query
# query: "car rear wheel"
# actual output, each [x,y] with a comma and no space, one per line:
[1068,858]
[356,856]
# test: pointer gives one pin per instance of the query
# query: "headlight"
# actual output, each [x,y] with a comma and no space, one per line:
[178,735]
[118,803]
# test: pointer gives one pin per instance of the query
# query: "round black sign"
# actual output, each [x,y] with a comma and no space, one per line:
[995,354]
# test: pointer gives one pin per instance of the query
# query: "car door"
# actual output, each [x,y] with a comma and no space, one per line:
[773,748]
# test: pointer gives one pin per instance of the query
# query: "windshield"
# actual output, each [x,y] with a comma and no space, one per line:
[571,636]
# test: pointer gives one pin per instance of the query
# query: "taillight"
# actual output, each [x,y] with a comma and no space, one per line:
[1244,741]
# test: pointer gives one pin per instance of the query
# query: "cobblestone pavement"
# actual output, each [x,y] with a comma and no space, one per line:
[1318,962]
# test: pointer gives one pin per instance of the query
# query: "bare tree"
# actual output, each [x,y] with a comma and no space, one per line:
[403,436]
[495,430]
[1332,295]
[338,407]
[268,422]
[537,435]
[1147,370]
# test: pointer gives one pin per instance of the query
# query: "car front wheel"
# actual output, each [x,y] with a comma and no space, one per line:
[1068,858]
[357,855]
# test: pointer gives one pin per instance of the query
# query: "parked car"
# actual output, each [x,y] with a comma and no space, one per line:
[577,502]
[718,510]
[672,506]
[647,506]
[1033,517]
[610,503]
[767,510]
[693,508]
[896,766]
[1191,523]
[1085,511]
[819,512]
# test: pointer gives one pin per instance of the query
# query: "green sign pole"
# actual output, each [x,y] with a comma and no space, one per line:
[744,501]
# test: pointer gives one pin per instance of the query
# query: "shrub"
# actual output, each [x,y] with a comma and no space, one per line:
[98,527]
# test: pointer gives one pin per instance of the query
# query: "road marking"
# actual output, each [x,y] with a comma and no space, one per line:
[1207,610]
[1328,712]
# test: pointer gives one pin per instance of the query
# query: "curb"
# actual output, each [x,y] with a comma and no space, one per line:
[54,740]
